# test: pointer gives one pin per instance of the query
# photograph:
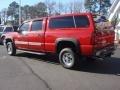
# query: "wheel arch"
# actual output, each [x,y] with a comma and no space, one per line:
[2,36]
[67,42]
[8,40]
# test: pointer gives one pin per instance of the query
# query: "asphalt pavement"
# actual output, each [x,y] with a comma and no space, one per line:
[43,72]
[15,75]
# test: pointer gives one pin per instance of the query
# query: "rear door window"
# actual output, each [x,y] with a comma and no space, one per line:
[82,21]
[62,22]
[37,25]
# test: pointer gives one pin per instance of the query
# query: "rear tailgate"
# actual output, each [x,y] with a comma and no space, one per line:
[104,38]
[104,32]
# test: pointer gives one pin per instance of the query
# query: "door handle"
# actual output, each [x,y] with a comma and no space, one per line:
[26,35]
[40,35]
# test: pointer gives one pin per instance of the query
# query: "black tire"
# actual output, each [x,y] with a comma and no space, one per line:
[109,55]
[90,59]
[11,49]
[68,58]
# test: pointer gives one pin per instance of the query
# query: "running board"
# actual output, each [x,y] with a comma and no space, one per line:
[32,52]
[98,58]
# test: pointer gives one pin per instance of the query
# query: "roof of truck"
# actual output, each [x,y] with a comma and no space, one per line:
[62,15]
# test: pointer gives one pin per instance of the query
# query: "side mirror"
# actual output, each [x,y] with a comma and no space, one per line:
[19,31]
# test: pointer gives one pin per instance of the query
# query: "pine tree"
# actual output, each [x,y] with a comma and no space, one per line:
[88,5]
[97,6]
[104,6]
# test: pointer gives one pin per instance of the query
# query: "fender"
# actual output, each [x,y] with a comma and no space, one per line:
[8,38]
[71,40]
[3,35]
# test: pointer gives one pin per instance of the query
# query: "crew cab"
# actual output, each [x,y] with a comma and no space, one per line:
[70,36]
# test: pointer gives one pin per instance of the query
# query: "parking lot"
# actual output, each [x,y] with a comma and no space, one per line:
[43,72]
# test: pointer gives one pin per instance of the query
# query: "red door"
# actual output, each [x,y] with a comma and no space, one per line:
[36,36]
[21,40]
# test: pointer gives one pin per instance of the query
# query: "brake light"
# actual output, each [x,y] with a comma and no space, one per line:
[97,37]
[93,38]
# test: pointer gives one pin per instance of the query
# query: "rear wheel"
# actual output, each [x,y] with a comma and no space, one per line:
[90,59]
[11,49]
[109,55]
[68,58]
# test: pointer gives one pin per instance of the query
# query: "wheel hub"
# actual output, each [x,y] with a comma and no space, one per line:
[9,49]
[67,59]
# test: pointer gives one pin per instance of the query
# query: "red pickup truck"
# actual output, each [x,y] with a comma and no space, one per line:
[70,36]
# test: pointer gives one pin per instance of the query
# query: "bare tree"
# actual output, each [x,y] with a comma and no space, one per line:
[50,7]
[75,6]
[78,6]
[41,9]
[70,7]
[4,15]
[60,7]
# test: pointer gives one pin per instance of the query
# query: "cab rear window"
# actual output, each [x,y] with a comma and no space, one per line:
[62,22]
[80,21]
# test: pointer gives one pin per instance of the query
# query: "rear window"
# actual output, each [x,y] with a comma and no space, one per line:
[82,21]
[37,25]
[62,22]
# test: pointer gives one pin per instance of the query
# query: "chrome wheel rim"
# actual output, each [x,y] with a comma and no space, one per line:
[9,49]
[68,59]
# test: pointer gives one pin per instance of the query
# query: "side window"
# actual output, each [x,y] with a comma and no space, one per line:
[24,26]
[37,25]
[82,21]
[62,22]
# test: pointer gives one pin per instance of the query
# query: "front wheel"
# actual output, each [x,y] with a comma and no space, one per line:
[68,58]
[11,49]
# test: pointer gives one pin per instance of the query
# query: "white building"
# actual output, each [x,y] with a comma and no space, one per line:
[114,13]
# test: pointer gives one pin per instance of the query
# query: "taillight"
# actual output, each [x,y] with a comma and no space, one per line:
[93,38]
[98,37]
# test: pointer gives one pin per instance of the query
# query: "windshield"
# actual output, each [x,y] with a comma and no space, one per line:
[8,29]
[1,29]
